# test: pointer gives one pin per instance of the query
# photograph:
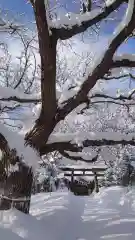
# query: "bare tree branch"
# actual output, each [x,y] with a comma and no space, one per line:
[124,61]
[26,54]
[33,77]
[121,97]
[20,100]
[114,102]
[119,77]
[9,26]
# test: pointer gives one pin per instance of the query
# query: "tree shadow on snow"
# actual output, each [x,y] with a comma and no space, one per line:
[68,217]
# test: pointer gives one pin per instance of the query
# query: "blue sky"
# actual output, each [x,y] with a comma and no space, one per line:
[21,6]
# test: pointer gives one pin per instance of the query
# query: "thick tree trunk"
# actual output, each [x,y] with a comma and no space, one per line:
[27,180]
[47,49]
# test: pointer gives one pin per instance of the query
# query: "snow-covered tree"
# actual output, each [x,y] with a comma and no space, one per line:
[63,28]
[51,108]
[121,172]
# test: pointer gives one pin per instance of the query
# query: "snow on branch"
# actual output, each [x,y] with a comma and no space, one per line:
[75,158]
[121,76]
[20,100]
[119,100]
[67,26]
[9,26]
[123,100]
[103,64]
[124,60]
[14,140]
[75,142]
[9,94]
[78,157]
[51,113]
[83,136]
[123,103]
[121,97]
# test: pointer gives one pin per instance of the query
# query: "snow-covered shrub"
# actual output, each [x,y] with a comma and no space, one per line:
[109,179]
[46,178]
[122,172]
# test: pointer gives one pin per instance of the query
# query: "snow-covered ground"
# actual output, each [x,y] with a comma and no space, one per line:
[63,216]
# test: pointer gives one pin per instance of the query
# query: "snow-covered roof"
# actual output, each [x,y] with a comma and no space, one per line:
[87,167]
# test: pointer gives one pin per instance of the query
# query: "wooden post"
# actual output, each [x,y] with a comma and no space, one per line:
[72,176]
[96,182]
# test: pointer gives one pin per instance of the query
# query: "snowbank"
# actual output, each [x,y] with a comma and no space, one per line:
[16,140]
[109,214]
